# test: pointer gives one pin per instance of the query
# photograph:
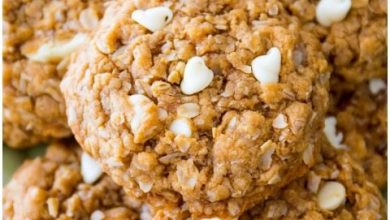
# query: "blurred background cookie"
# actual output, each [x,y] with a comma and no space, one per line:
[38,37]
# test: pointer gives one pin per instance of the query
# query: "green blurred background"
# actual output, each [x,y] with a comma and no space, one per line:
[12,159]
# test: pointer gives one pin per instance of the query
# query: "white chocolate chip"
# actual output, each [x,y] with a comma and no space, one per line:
[97,215]
[188,110]
[143,110]
[266,67]
[197,76]
[331,11]
[334,138]
[181,126]
[376,85]
[90,169]
[331,195]
[153,19]
[279,122]
[56,51]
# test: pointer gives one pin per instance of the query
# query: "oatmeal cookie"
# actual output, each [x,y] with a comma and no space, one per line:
[214,103]
[357,46]
[38,37]
[54,187]
[355,43]
[336,188]
[360,113]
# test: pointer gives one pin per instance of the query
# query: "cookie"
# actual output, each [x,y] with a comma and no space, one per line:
[357,46]
[38,36]
[215,104]
[64,184]
[353,35]
[359,116]
[336,188]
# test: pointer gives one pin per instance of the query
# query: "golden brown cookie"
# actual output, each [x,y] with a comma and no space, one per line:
[357,46]
[38,36]
[360,111]
[354,41]
[55,187]
[335,188]
[215,103]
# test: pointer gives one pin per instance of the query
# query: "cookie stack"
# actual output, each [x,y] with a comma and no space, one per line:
[225,109]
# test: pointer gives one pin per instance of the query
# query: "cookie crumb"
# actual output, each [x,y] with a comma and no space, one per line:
[56,51]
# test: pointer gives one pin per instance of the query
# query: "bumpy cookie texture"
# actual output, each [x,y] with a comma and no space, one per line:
[216,148]
[356,46]
[38,36]
[336,188]
[51,187]
[361,114]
